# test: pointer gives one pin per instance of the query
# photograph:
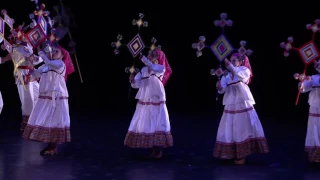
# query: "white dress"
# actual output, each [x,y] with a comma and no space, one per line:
[1,103]
[28,96]
[50,120]
[312,144]
[150,125]
[240,132]
[1,100]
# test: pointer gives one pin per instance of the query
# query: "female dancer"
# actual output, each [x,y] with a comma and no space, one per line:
[150,125]
[240,132]
[50,121]
[312,144]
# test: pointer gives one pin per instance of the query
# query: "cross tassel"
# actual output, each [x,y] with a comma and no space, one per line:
[153,45]
[199,46]
[219,72]
[41,12]
[117,44]
[243,51]
[140,22]
[287,46]
[223,22]
[301,77]
[131,70]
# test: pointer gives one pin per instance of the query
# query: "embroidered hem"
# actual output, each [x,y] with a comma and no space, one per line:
[24,122]
[238,111]
[314,114]
[148,140]
[151,103]
[313,153]
[50,98]
[47,135]
[239,150]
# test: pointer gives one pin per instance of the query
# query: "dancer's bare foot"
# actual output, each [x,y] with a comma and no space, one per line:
[149,155]
[51,149]
[240,161]
[157,154]
[43,151]
[50,152]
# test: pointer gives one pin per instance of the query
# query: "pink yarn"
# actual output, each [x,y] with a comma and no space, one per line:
[163,61]
[67,61]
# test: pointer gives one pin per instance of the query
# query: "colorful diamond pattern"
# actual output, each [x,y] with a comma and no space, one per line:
[221,48]
[200,46]
[219,72]
[308,52]
[136,45]
[36,36]
[8,20]
[8,46]
[1,27]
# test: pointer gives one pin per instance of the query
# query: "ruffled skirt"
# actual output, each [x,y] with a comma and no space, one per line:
[240,133]
[150,126]
[49,121]
[312,144]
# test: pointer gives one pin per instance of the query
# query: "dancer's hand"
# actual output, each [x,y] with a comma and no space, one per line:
[5,59]
[218,85]
[140,56]
[41,53]
[315,63]
[300,85]
[226,62]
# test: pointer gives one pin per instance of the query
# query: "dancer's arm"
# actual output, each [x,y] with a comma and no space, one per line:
[5,59]
[36,60]
[37,72]
[53,64]
[136,81]
[222,85]
[242,72]
[154,67]
[308,84]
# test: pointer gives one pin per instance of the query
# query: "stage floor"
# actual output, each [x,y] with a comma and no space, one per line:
[97,153]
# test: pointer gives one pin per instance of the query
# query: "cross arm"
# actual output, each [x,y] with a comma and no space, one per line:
[5,59]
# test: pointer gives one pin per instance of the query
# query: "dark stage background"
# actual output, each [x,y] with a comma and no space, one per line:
[191,89]
[101,111]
